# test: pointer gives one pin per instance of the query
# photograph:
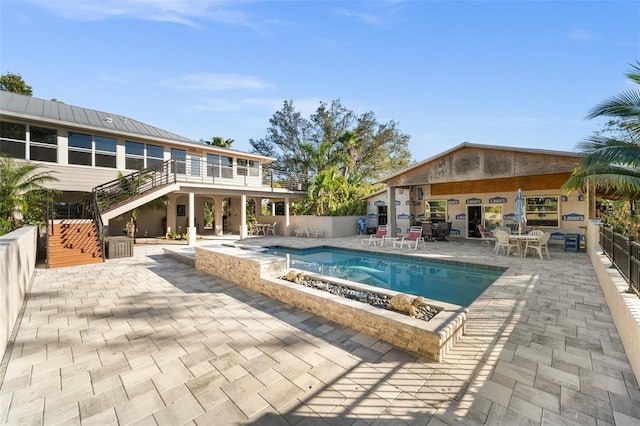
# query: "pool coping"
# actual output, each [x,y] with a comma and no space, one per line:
[260,271]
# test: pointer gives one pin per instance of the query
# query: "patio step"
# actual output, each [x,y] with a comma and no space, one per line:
[73,243]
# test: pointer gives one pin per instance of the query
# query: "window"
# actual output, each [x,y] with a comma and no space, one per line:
[254,168]
[213,165]
[242,167]
[436,210]
[542,211]
[133,155]
[13,139]
[43,145]
[492,216]
[180,155]
[226,164]
[105,152]
[80,149]
[155,155]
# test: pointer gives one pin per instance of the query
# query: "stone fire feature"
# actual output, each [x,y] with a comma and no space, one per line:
[259,271]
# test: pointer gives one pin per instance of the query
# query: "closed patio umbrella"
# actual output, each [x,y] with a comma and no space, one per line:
[520,217]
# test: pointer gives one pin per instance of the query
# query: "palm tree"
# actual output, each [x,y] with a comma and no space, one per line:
[612,164]
[219,142]
[19,182]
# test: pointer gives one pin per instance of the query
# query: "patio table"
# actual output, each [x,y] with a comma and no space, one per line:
[522,239]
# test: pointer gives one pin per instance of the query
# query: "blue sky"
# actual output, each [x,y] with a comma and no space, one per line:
[507,73]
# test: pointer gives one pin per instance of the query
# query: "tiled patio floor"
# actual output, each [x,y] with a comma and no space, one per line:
[148,340]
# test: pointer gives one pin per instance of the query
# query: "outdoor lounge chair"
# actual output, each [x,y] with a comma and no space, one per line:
[378,236]
[414,236]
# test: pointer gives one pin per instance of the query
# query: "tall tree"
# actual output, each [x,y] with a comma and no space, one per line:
[612,163]
[14,83]
[20,183]
[334,136]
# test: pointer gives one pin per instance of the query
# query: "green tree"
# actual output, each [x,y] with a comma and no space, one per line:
[14,83]
[219,142]
[20,185]
[337,149]
[612,162]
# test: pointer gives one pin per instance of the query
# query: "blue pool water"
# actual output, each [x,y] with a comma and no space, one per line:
[449,282]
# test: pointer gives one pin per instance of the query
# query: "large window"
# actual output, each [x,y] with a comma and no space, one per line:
[226,164]
[242,167]
[248,167]
[13,139]
[80,149]
[43,145]
[155,155]
[134,155]
[213,165]
[105,152]
[542,211]
[436,210]
[138,156]
[254,168]
[42,142]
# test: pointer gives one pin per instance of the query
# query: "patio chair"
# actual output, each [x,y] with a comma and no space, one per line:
[503,241]
[252,229]
[414,236]
[378,236]
[486,236]
[271,229]
[442,232]
[539,245]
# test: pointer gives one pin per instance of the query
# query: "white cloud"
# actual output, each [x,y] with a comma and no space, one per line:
[215,82]
[364,17]
[582,35]
[186,12]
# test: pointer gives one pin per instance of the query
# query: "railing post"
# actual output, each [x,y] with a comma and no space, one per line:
[630,241]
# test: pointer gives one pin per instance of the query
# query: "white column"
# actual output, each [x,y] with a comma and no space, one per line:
[191,227]
[217,204]
[391,212]
[243,216]
[287,222]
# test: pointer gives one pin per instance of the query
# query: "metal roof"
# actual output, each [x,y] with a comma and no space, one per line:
[55,112]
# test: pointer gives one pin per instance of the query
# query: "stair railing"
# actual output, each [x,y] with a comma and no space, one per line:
[97,220]
[48,221]
[122,190]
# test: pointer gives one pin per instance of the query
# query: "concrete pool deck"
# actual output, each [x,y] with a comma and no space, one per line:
[150,340]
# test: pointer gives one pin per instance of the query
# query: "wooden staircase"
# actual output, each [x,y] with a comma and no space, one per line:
[73,242]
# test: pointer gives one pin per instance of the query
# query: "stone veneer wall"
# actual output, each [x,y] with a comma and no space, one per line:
[258,272]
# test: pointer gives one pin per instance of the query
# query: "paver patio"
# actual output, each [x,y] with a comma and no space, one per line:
[148,340]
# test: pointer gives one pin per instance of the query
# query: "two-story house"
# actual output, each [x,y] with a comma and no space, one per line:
[124,163]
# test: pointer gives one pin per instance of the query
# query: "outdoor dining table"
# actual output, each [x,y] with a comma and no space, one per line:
[522,239]
[261,228]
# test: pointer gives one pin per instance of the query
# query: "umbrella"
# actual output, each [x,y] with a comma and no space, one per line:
[519,217]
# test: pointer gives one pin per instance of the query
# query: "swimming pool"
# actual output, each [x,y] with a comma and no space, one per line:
[449,282]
